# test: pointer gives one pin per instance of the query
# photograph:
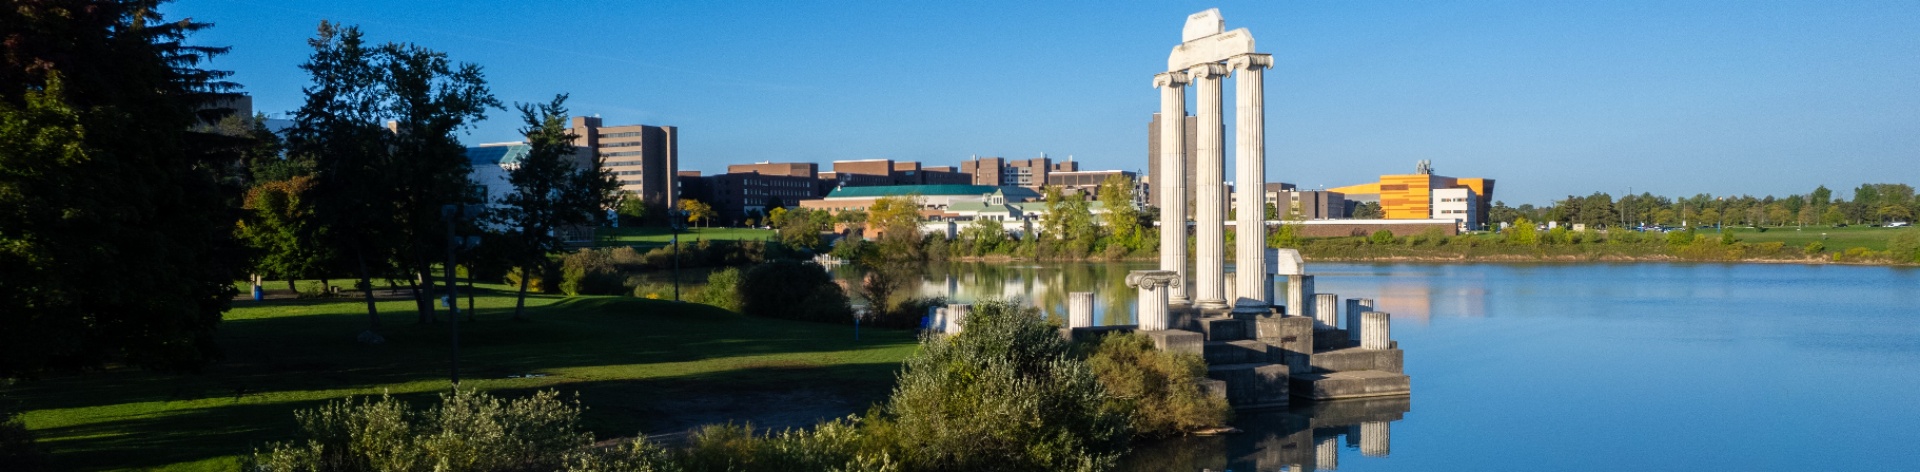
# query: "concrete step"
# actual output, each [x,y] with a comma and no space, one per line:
[1252,384]
[1225,329]
[1349,384]
[1235,352]
[1355,358]
[1332,340]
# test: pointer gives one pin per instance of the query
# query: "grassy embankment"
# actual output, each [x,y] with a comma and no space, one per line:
[1862,245]
[637,365]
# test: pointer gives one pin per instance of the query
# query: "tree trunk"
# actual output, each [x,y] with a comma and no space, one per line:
[469,293]
[420,305]
[291,288]
[366,285]
[520,302]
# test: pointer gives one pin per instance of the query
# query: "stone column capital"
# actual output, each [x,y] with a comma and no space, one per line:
[1250,62]
[1169,79]
[1150,279]
[1210,70]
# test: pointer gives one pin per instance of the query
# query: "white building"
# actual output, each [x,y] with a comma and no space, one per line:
[1457,204]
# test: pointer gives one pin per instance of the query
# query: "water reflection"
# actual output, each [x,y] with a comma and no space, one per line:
[1308,437]
[1045,286]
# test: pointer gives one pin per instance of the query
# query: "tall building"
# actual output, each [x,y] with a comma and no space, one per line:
[1085,182]
[1309,204]
[1153,156]
[880,172]
[643,158]
[1002,172]
[1411,196]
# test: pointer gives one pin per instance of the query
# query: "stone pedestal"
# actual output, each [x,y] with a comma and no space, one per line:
[957,317]
[1326,312]
[1374,332]
[1080,309]
[1356,306]
[1153,286]
[1209,199]
[1172,194]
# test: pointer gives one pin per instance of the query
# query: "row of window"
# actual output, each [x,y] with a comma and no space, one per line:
[623,134]
[622,153]
[625,144]
[633,162]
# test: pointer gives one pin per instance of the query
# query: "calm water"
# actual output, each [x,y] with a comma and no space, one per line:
[1580,367]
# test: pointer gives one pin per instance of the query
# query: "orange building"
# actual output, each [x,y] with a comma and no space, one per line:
[1410,196]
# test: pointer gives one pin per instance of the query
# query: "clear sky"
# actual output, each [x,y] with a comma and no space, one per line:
[1549,98]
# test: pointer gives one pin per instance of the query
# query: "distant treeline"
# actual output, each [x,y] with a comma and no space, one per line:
[1871,203]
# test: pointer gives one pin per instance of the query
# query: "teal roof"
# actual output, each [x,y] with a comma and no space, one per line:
[896,190]
[496,155]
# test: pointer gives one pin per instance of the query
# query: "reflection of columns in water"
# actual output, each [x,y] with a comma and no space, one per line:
[1326,453]
[1373,330]
[1250,173]
[1173,170]
[1209,219]
[1326,311]
[1376,438]
[1356,306]
[1079,309]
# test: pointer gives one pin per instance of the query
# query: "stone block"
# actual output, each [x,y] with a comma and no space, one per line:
[1351,359]
[1213,388]
[1174,340]
[1225,329]
[1254,385]
[1235,352]
[1350,384]
[1291,337]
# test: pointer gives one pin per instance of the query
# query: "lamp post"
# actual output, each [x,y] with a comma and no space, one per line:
[453,214]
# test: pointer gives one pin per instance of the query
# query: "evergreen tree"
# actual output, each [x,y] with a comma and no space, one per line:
[552,189]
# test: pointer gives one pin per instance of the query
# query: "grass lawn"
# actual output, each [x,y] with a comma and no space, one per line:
[654,236]
[1836,239]
[637,365]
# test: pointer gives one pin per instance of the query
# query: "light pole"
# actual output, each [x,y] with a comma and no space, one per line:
[453,214]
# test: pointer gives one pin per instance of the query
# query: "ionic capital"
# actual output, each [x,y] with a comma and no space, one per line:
[1169,79]
[1250,62]
[1153,279]
[1210,70]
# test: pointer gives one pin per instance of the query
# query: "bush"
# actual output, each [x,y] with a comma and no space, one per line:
[1905,247]
[1004,394]
[1381,237]
[722,290]
[832,446]
[590,272]
[1159,388]
[1559,235]
[1815,247]
[1677,239]
[653,291]
[466,431]
[793,290]
[17,450]
[542,282]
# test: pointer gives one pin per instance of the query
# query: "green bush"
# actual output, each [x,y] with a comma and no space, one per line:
[1677,239]
[1815,247]
[1159,388]
[1905,247]
[793,290]
[466,431]
[1004,395]
[1559,235]
[1381,237]
[722,289]
[836,445]
[590,272]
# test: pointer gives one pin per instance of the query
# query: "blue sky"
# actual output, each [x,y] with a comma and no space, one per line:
[1549,98]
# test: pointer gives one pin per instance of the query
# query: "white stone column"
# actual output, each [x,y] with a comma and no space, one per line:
[1355,307]
[1153,286]
[1374,328]
[1227,286]
[1250,172]
[1173,169]
[1300,295]
[1326,312]
[1209,213]
[1080,309]
[957,316]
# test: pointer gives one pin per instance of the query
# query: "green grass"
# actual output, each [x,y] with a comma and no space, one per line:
[653,236]
[630,360]
[1836,239]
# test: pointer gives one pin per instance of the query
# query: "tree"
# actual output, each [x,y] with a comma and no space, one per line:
[799,229]
[552,189]
[338,129]
[897,218]
[1522,233]
[697,211]
[1121,217]
[115,234]
[1369,210]
[633,209]
[985,235]
[281,231]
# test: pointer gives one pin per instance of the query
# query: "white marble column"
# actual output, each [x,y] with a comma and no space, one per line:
[957,316]
[1209,213]
[1080,309]
[1250,174]
[1173,169]
[1326,312]
[1356,306]
[1154,288]
[1374,328]
[1300,295]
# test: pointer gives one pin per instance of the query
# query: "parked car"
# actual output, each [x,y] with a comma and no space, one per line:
[1899,224]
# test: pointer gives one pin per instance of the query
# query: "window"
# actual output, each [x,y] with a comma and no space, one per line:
[624,134]
[625,144]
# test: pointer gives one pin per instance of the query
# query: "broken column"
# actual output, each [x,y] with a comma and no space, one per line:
[1080,309]
[1373,330]
[1154,286]
[1231,290]
[1300,295]
[956,315]
[1326,312]
[1356,306]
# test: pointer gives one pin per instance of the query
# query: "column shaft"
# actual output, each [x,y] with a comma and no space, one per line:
[1355,307]
[1173,169]
[1250,173]
[1080,309]
[1326,312]
[1374,327]
[957,317]
[1209,219]
[1300,295]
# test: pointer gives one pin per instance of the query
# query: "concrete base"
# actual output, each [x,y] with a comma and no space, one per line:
[1354,358]
[1254,385]
[1235,352]
[1225,329]
[1350,384]
[1174,340]
[1291,338]
[1213,388]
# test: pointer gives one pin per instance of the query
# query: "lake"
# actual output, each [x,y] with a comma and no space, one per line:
[1576,367]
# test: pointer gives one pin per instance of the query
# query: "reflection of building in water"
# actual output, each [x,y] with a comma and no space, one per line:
[1299,439]
[1304,438]
[1417,299]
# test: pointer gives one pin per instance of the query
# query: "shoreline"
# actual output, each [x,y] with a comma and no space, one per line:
[1486,258]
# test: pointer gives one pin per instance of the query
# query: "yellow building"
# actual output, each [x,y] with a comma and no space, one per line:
[1410,196]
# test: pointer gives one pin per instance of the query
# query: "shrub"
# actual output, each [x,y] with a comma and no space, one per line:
[590,272]
[1815,247]
[1559,235]
[1676,239]
[466,431]
[542,282]
[1381,237]
[1158,387]
[1905,247]
[1004,394]
[1522,233]
[836,445]
[722,290]
[1771,248]
[17,449]
[653,291]
[793,290]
